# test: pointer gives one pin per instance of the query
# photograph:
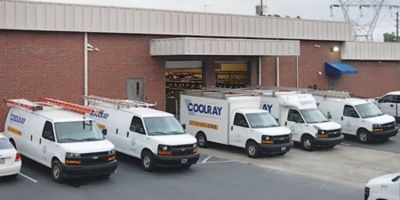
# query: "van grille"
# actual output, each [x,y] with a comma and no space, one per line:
[282,139]
[334,133]
[182,150]
[388,126]
[94,158]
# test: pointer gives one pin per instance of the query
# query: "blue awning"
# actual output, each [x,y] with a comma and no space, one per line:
[338,68]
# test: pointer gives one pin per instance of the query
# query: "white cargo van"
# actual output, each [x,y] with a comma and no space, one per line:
[65,141]
[358,117]
[299,112]
[390,104]
[235,120]
[137,130]
[385,187]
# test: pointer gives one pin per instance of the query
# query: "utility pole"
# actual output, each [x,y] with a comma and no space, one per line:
[397,26]
[262,8]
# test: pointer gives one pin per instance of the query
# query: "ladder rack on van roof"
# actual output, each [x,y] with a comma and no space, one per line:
[119,102]
[36,106]
[218,92]
[323,93]
[23,103]
[68,106]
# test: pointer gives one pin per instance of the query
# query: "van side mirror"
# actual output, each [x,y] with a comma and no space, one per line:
[184,126]
[104,131]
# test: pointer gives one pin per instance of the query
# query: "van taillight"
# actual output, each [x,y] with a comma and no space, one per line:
[17,157]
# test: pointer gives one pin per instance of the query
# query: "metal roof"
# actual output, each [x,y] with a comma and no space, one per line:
[40,16]
[222,46]
[371,51]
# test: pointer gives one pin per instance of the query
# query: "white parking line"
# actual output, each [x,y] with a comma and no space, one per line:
[216,162]
[27,177]
[206,159]
[345,144]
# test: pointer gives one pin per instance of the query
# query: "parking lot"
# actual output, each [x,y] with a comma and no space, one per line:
[224,173]
[212,178]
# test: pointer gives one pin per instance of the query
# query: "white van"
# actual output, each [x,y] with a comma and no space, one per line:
[390,104]
[358,117]
[299,112]
[385,187]
[137,130]
[235,120]
[65,141]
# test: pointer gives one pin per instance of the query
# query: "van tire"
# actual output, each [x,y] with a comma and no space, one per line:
[363,136]
[147,159]
[252,149]
[57,171]
[201,140]
[307,142]
[13,143]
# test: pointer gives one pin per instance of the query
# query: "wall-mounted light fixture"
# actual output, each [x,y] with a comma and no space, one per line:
[335,49]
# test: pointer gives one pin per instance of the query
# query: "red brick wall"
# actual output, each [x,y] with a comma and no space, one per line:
[40,64]
[121,57]
[373,78]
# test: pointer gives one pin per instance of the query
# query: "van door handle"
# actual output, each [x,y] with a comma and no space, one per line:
[341,118]
[127,134]
[391,105]
[285,123]
[231,128]
[40,141]
[116,131]
[31,137]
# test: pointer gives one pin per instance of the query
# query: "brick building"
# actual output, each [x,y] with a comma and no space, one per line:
[153,54]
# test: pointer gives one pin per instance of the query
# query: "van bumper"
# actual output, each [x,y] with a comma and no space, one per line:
[173,161]
[275,148]
[71,171]
[328,142]
[384,134]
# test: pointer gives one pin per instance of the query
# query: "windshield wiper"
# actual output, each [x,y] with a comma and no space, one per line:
[174,132]
[69,140]
[90,139]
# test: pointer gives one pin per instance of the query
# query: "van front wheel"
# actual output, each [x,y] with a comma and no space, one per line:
[57,171]
[252,149]
[308,143]
[201,140]
[148,161]
[363,136]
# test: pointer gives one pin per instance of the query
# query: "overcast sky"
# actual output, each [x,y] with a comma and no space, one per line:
[307,9]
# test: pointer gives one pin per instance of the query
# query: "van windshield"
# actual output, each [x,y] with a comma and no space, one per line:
[163,126]
[77,131]
[261,120]
[313,116]
[368,110]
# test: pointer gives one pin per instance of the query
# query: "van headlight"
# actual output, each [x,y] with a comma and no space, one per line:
[194,145]
[164,150]
[163,147]
[376,126]
[112,152]
[72,155]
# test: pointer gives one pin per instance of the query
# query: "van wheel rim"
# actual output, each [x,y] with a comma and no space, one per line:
[146,161]
[307,143]
[252,150]
[202,140]
[56,171]
[363,137]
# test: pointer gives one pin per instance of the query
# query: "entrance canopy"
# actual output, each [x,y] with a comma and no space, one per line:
[223,47]
[339,68]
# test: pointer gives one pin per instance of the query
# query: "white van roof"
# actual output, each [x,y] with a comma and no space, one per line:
[393,93]
[351,101]
[147,112]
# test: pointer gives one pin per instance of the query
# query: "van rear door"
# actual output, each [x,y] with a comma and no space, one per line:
[389,104]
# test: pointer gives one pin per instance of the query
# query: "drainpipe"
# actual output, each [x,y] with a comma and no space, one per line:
[277,72]
[259,71]
[297,71]
[85,67]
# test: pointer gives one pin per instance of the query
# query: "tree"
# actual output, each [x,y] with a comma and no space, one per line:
[390,37]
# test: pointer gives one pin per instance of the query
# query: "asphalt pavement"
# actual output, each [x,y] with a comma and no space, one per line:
[391,145]
[212,178]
